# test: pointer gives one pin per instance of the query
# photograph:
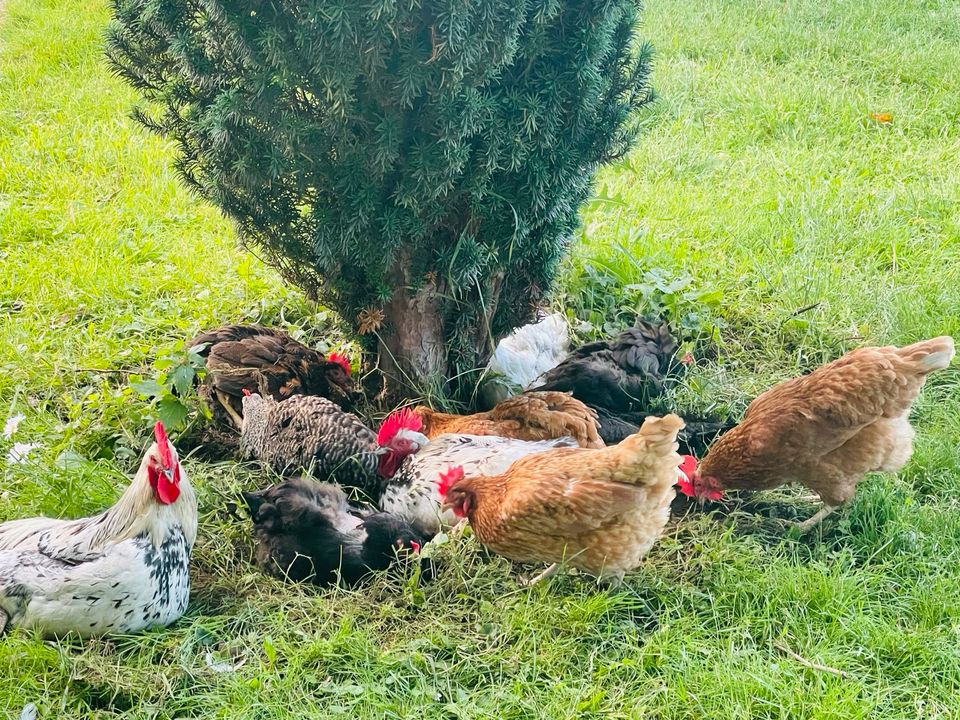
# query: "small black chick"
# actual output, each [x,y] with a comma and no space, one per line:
[307,532]
[269,361]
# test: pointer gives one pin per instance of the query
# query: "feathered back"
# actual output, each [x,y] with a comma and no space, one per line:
[271,362]
[620,374]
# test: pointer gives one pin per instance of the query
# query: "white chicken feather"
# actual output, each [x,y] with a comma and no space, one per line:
[524,355]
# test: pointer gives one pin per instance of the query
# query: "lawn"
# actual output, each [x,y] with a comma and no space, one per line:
[796,192]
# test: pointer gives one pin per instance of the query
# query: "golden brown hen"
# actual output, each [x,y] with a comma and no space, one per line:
[531,416]
[826,430]
[601,510]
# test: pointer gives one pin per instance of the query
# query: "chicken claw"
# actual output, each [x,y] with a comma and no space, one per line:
[807,525]
[225,401]
[548,573]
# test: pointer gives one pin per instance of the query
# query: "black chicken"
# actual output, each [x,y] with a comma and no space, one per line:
[269,361]
[307,532]
[618,378]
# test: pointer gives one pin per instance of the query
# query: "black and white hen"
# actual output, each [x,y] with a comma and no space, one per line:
[307,532]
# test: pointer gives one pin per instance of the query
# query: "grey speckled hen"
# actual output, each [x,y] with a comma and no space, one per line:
[313,434]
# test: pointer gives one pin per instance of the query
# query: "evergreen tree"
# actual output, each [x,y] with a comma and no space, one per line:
[417,165]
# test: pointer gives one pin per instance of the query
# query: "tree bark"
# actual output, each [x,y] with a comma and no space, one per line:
[412,347]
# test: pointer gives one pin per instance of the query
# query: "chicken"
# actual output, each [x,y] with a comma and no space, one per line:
[121,571]
[619,375]
[600,510]
[269,361]
[532,416]
[826,430]
[312,433]
[411,493]
[306,531]
[523,356]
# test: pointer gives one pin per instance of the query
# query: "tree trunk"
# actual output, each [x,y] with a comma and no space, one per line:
[413,352]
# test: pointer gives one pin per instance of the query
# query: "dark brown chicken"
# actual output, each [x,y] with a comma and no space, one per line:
[268,361]
[826,430]
[621,375]
[618,378]
[532,416]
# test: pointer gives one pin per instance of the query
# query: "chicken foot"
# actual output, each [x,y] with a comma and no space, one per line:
[225,401]
[807,525]
[548,573]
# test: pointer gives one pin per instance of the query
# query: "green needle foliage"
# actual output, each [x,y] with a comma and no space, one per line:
[393,156]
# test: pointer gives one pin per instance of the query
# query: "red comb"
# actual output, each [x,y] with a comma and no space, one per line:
[402,420]
[689,465]
[163,445]
[451,477]
[341,360]
[415,545]
[247,393]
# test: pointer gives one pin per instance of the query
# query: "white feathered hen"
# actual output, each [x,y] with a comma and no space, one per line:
[524,355]
[121,571]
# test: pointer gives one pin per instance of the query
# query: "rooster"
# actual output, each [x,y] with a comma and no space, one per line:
[263,359]
[306,531]
[600,510]
[826,430]
[411,492]
[532,416]
[312,433]
[118,572]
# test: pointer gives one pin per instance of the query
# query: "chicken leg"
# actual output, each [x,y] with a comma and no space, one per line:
[807,525]
[225,401]
[548,573]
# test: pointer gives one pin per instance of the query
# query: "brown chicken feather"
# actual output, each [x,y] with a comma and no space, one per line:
[826,430]
[531,416]
[268,361]
[601,510]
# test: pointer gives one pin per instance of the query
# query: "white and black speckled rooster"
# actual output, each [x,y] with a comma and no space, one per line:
[311,433]
[118,572]
[412,492]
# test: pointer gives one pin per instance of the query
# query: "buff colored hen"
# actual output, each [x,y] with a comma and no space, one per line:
[826,430]
[600,510]
[531,416]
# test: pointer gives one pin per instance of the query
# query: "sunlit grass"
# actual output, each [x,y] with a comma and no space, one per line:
[761,175]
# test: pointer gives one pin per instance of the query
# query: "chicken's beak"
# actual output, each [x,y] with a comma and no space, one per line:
[168,472]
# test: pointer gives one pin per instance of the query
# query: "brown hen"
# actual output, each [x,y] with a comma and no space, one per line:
[826,430]
[600,510]
[531,416]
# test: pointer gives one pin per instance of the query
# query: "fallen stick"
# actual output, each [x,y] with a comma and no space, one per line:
[806,663]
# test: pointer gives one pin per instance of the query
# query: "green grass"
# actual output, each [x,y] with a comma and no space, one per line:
[761,177]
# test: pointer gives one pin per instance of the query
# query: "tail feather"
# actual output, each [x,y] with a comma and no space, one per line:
[659,434]
[929,355]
